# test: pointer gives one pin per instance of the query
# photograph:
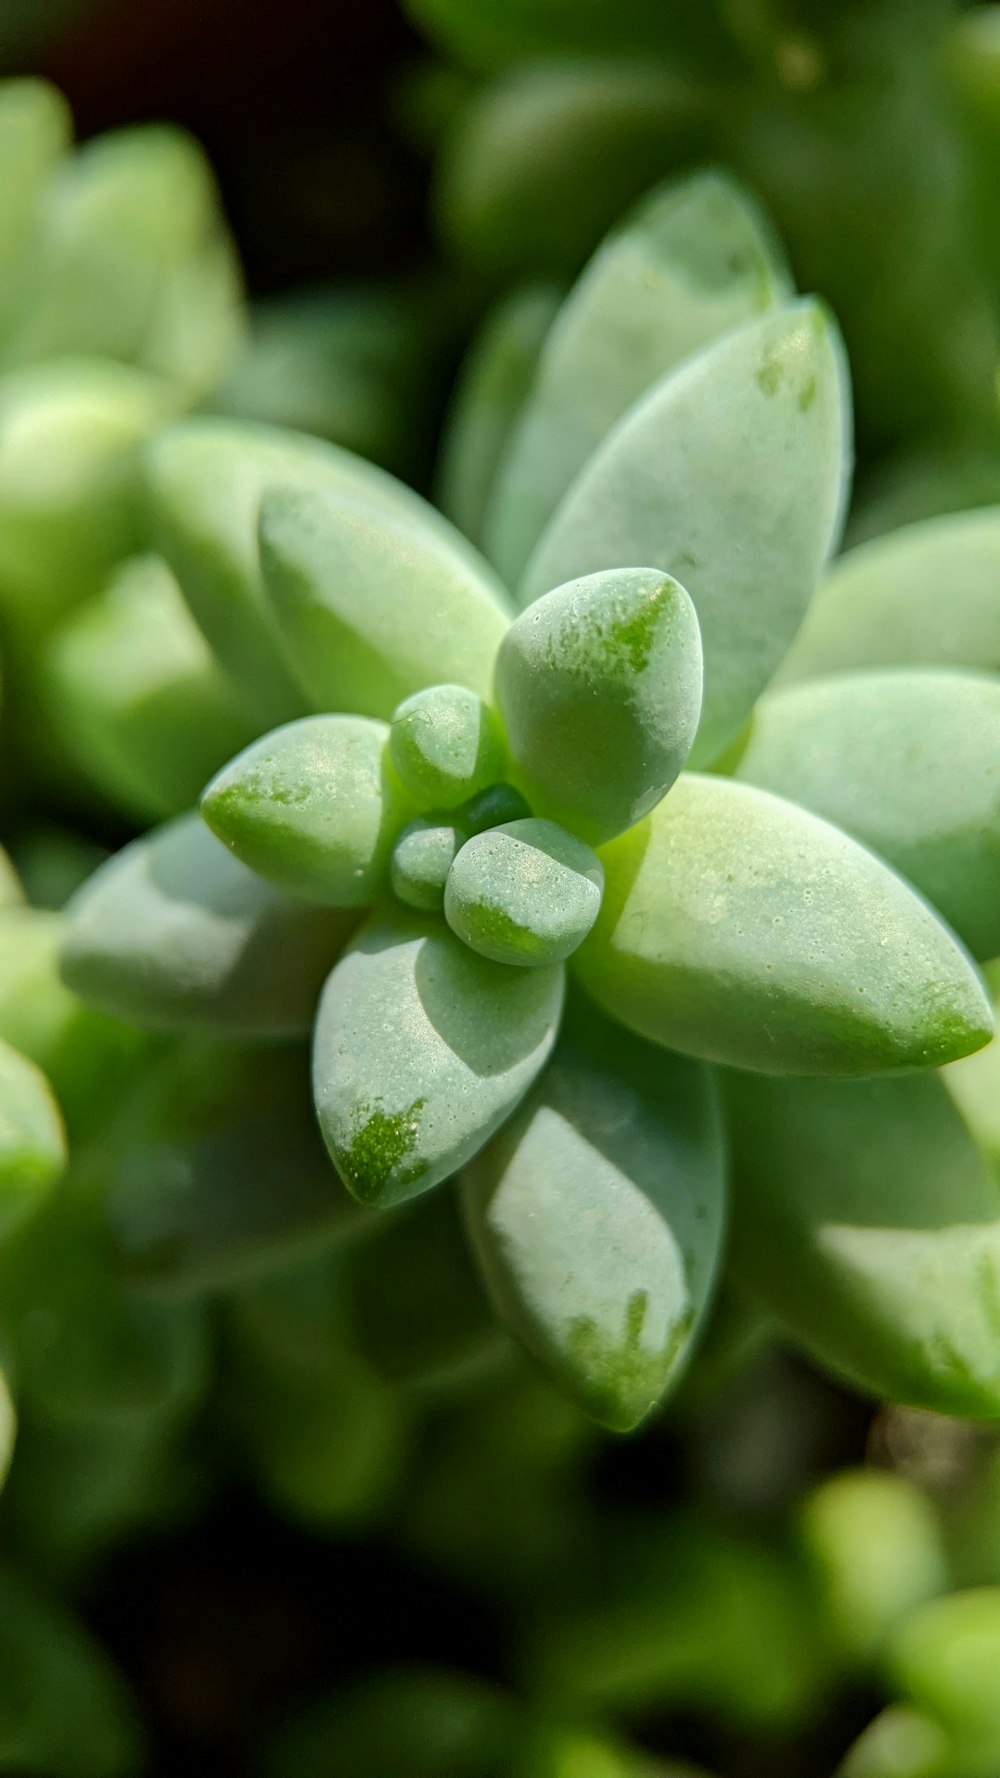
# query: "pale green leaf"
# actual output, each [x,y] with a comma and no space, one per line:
[868,1222]
[422,1049]
[729,474]
[597,1215]
[175,932]
[32,1139]
[738,927]
[907,761]
[693,261]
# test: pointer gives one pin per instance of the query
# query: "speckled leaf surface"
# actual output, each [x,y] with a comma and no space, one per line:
[908,761]
[740,928]
[868,1222]
[174,932]
[422,1049]
[597,1214]
[374,606]
[925,595]
[729,475]
[691,262]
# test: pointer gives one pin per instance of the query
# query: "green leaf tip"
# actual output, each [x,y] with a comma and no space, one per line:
[599,687]
[421,859]
[312,807]
[421,1051]
[445,745]
[526,893]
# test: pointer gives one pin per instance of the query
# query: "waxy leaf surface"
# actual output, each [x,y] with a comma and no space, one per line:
[312,807]
[599,686]
[906,760]
[693,261]
[175,932]
[597,1215]
[422,1049]
[922,596]
[729,474]
[738,927]
[372,605]
[868,1222]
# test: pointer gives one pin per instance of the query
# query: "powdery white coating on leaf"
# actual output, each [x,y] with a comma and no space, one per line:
[599,686]
[312,808]
[526,893]
[373,605]
[925,595]
[205,479]
[868,1223]
[729,474]
[422,1049]
[445,745]
[597,1216]
[174,932]
[738,927]
[689,263]
[906,760]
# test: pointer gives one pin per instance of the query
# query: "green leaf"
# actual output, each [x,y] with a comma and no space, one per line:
[446,746]
[224,1177]
[63,1708]
[88,1059]
[524,894]
[174,932]
[876,1547]
[421,859]
[140,700]
[8,1429]
[205,480]
[909,763]
[729,475]
[945,1658]
[32,1139]
[599,686]
[69,481]
[694,260]
[128,235]
[742,929]
[313,807]
[426,1721]
[597,1215]
[974,1084]
[923,596]
[541,163]
[869,1224]
[36,128]
[900,1740]
[486,32]
[422,1050]
[493,381]
[374,606]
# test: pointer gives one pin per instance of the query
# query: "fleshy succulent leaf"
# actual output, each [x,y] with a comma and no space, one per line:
[599,686]
[138,696]
[739,928]
[174,932]
[906,760]
[374,606]
[205,479]
[32,1139]
[422,1049]
[597,1214]
[525,893]
[692,261]
[312,807]
[446,746]
[922,596]
[421,859]
[728,474]
[868,1222]
[494,380]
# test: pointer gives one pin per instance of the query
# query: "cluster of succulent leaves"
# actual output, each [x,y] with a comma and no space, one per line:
[638,900]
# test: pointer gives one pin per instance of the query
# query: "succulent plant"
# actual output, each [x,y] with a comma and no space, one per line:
[472,788]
